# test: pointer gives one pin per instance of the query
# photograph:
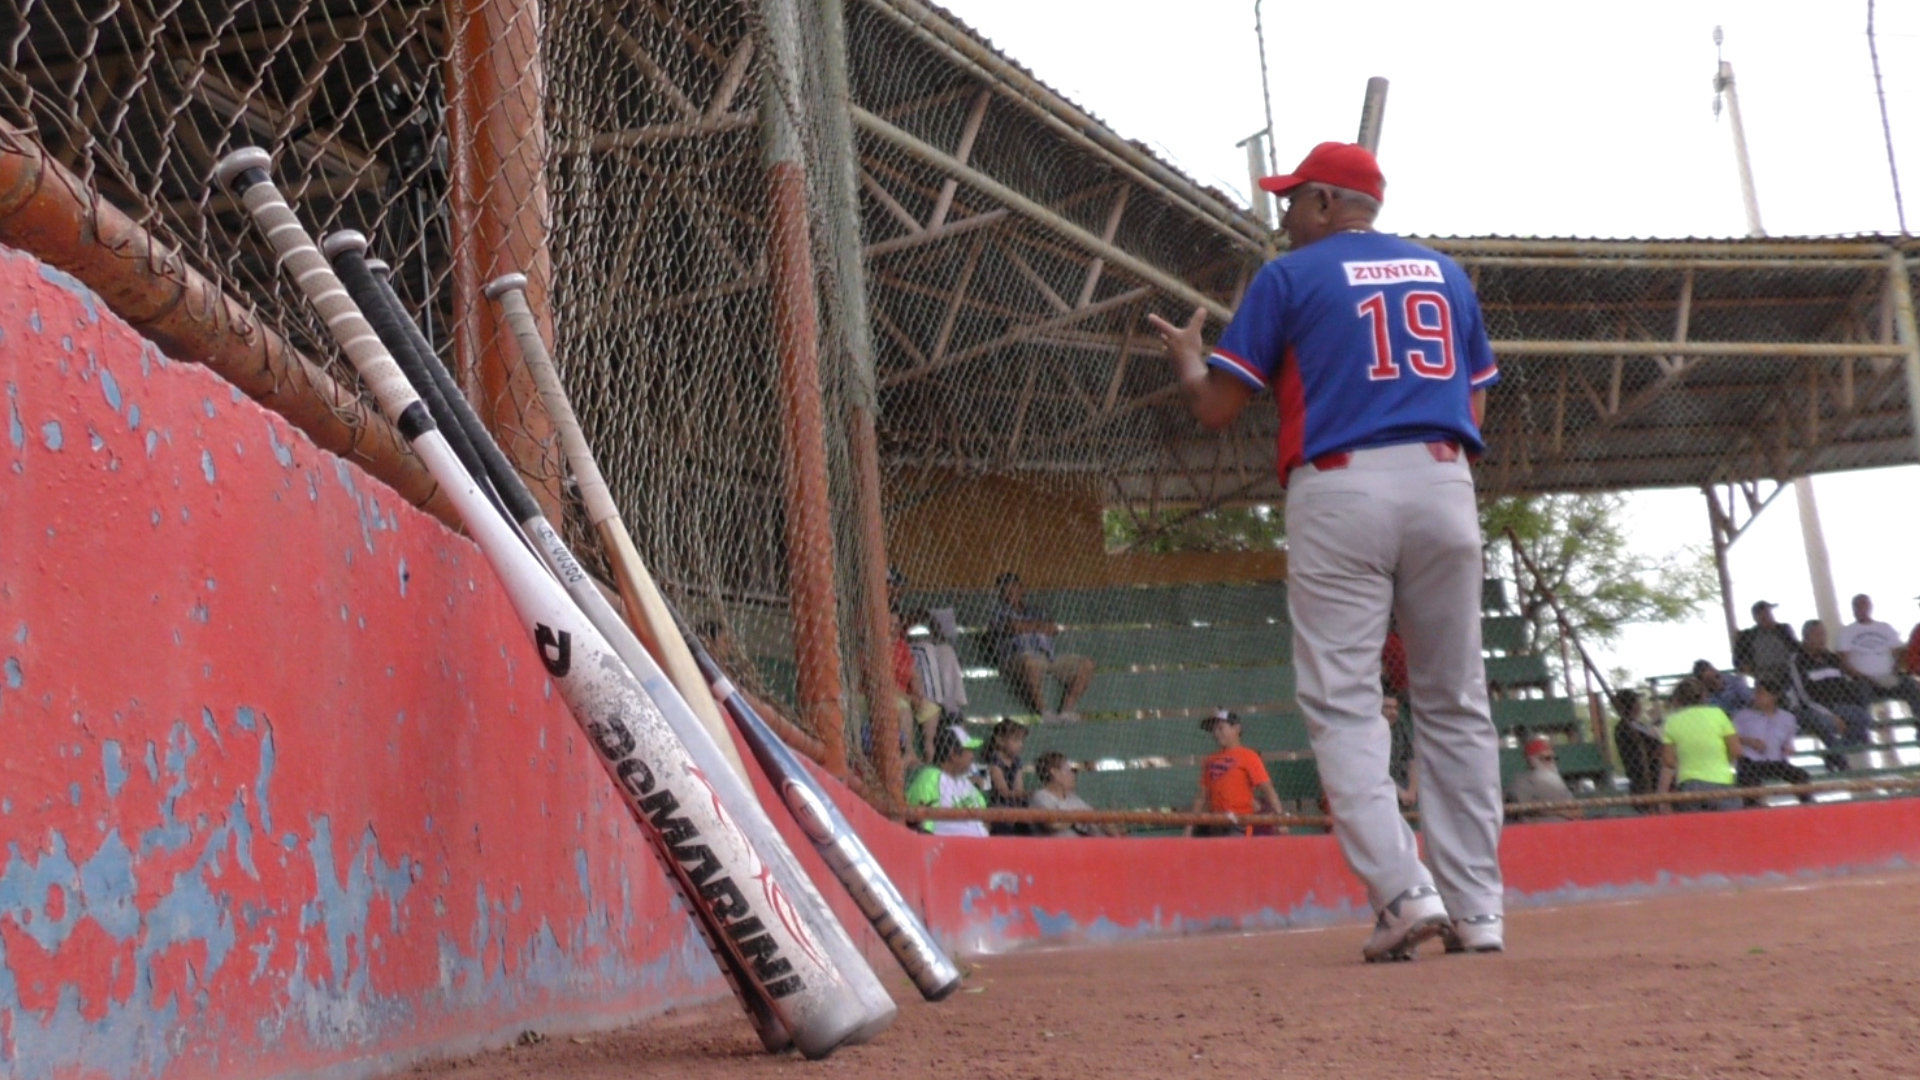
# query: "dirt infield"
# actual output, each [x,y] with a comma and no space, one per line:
[1800,981]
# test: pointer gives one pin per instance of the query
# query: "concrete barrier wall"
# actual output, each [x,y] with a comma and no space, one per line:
[284,790]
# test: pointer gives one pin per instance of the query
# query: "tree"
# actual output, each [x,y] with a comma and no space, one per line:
[1227,528]
[1580,546]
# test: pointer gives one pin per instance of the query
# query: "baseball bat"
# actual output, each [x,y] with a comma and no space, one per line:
[832,835]
[715,866]
[646,608]
[728,780]
[366,283]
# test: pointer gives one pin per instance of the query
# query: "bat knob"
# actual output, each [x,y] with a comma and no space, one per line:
[504,284]
[236,165]
[379,268]
[339,243]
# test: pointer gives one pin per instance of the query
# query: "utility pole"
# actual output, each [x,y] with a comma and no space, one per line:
[1826,599]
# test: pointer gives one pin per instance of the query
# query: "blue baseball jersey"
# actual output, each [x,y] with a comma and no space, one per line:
[1366,340]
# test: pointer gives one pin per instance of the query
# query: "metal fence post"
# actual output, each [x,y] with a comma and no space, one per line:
[838,171]
[1908,335]
[809,523]
[497,151]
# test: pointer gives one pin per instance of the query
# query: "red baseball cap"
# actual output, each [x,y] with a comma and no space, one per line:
[1537,745]
[1345,165]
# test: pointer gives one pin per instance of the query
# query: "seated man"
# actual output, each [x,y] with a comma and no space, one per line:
[1834,703]
[919,716]
[1022,639]
[1057,781]
[1872,651]
[948,783]
[1698,747]
[1728,693]
[1232,781]
[1766,737]
[1541,783]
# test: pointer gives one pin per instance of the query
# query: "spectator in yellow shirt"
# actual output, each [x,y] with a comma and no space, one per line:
[1698,747]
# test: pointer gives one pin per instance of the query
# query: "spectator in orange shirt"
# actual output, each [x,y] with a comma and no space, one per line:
[1232,780]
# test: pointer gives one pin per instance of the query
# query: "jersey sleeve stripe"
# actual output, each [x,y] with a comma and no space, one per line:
[1487,377]
[1229,362]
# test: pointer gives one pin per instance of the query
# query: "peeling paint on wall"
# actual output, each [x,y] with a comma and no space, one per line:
[222,857]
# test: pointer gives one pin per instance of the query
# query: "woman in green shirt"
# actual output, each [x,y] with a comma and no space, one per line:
[1698,748]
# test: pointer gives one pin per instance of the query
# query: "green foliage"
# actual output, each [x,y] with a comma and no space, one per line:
[1580,546]
[1233,528]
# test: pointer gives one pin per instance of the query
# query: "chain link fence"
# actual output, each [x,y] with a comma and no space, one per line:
[829,312]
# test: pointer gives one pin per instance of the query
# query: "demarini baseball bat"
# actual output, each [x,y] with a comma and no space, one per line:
[715,866]
[366,283]
[726,778]
[872,891]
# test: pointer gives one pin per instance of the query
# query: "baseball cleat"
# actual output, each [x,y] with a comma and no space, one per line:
[1477,933]
[1408,919]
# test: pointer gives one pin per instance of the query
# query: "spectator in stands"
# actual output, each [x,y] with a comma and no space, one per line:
[1766,739]
[1056,792]
[1008,739]
[1913,649]
[937,660]
[1698,747]
[1233,781]
[947,783]
[1766,649]
[1022,639]
[1872,651]
[1541,782]
[1637,742]
[1728,693]
[919,716]
[1829,700]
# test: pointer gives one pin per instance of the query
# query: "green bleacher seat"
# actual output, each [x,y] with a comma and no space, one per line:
[1141,789]
[1538,714]
[1121,606]
[1147,691]
[1296,780]
[1503,633]
[1518,671]
[1181,646]
[1493,596]
[1584,759]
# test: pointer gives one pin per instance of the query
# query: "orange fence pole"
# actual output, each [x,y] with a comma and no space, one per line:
[809,526]
[497,150]
[51,213]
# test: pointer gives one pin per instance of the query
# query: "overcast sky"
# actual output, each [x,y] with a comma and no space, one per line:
[1544,119]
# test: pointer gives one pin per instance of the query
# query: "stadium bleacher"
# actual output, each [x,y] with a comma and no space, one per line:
[1167,655]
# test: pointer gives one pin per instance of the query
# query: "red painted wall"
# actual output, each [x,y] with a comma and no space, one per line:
[283,788]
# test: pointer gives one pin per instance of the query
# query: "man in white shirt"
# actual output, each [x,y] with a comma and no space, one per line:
[1766,739]
[1873,650]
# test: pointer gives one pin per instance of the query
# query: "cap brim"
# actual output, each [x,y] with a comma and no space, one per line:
[1280,185]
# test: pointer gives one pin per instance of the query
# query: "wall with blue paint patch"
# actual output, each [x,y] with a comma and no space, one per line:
[284,789]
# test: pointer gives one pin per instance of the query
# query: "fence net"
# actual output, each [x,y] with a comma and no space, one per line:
[958,322]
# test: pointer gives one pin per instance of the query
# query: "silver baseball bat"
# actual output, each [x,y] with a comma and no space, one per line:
[716,866]
[832,835]
[366,283]
[346,249]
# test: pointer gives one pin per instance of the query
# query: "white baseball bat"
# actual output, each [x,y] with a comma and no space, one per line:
[715,866]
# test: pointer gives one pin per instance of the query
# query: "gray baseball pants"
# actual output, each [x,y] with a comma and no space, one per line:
[1397,529]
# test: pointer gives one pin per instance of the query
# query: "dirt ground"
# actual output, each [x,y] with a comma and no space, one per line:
[1801,981]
